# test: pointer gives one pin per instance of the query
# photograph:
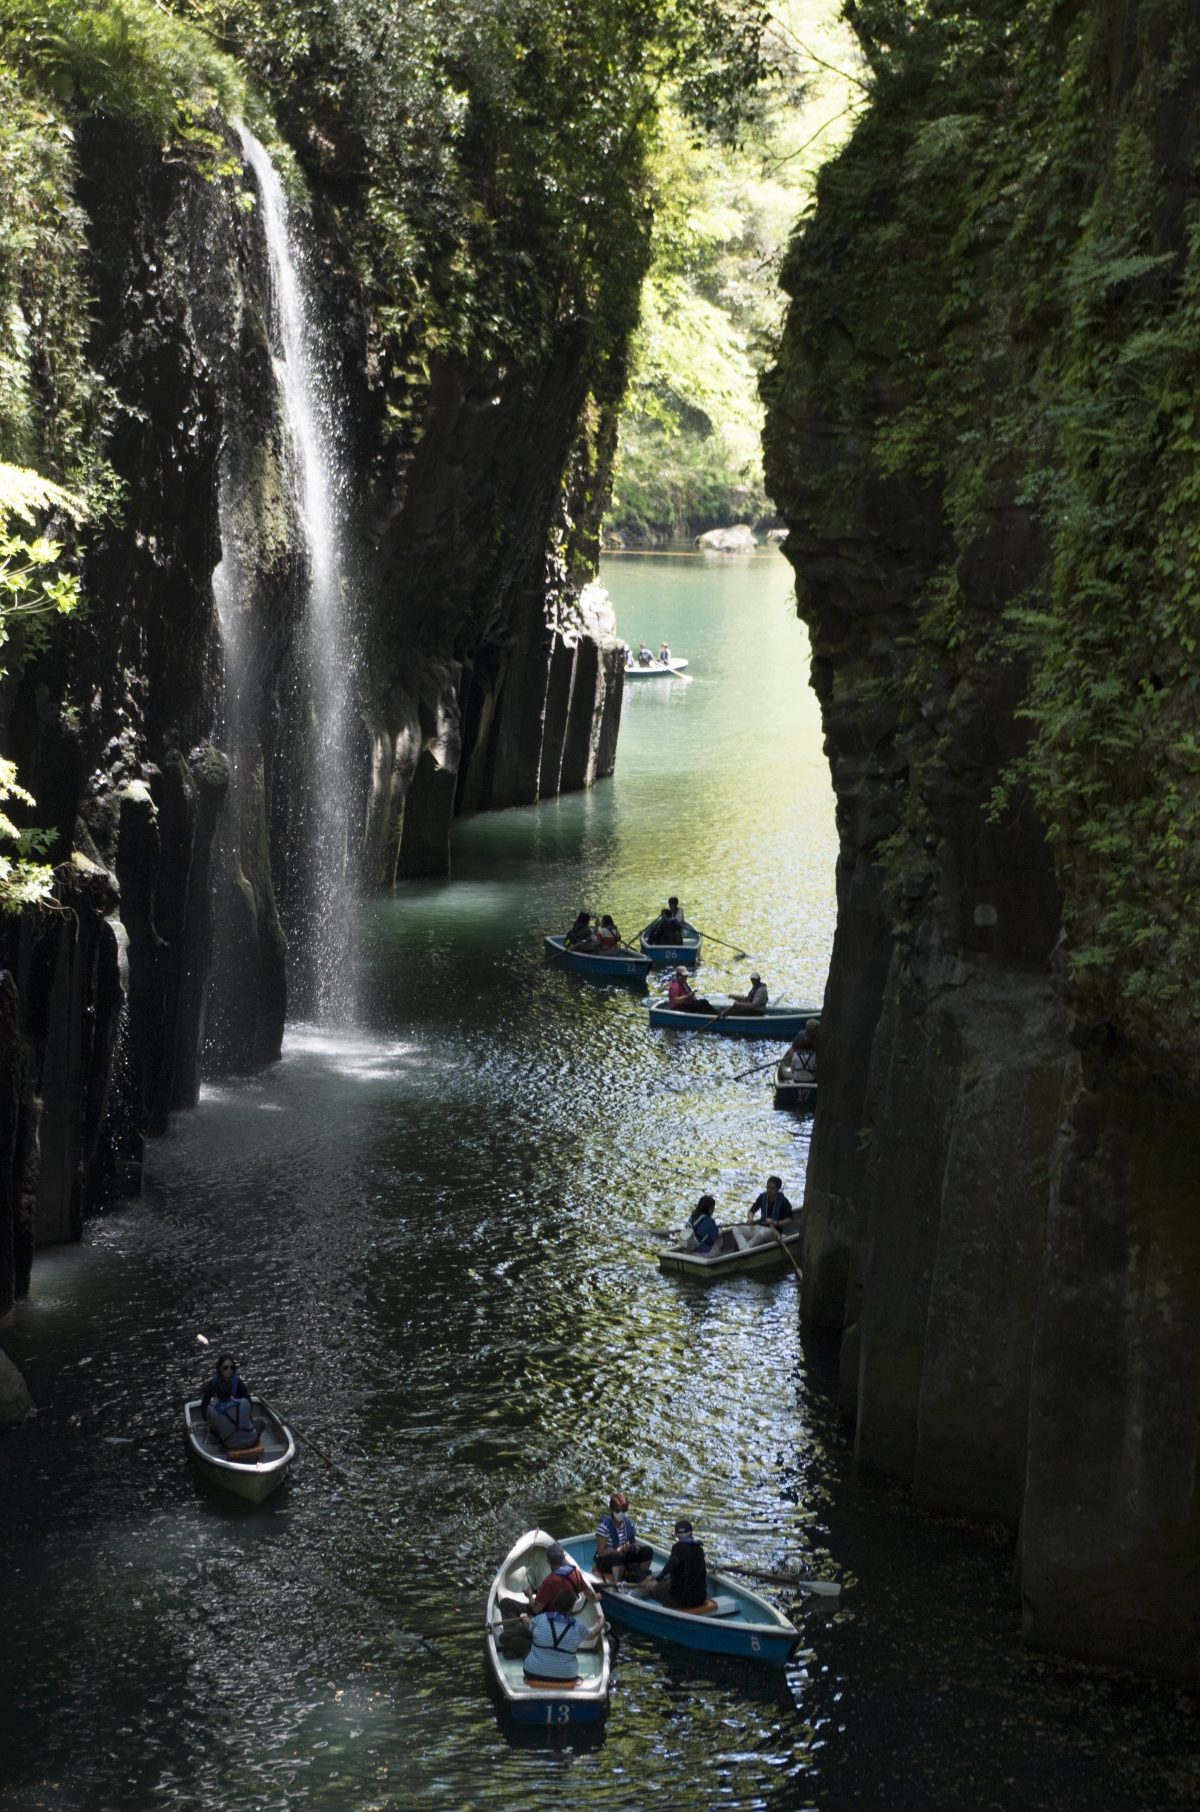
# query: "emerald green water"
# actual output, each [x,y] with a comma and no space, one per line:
[431,1239]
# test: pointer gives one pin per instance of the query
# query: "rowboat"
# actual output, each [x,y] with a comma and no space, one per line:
[795,1089]
[585,1703]
[624,965]
[255,1478]
[745,1248]
[774,1022]
[654,669]
[687,951]
[740,1622]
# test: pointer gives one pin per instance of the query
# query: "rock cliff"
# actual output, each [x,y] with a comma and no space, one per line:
[167,735]
[981,434]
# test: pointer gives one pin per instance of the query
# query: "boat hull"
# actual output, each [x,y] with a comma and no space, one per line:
[625,966]
[655,669]
[795,1093]
[252,1480]
[742,1249]
[686,952]
[776,1022]
[527,1564]
[750,1628]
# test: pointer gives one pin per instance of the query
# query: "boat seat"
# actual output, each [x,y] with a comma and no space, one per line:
[707,1609]
[244,1453]
[558,1685]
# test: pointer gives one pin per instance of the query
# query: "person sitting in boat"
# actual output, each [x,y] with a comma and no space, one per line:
[645,658]
[772,1207]
[753,1001]
[564,1575]
[683,998]
[683,1582]
[675,910]
[608,938]
[800,1058]
[664,653]
[225,1406]
[665,929]
[628,655]
[617,1547]
[703,1225]
[581,936]
[557,1638]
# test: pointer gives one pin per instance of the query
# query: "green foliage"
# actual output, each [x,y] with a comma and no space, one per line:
[33,586]
[691,431]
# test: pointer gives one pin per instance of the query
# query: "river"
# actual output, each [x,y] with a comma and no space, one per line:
[430,1237]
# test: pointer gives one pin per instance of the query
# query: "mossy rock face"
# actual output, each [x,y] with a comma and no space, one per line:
[16,1404]
[982,433]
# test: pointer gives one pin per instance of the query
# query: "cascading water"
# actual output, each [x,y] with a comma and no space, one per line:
[322,934]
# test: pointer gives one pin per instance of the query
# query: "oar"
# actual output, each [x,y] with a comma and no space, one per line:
[470,1627]
[820,1588]
[721,1015]
[772,1063]
[309,1442]
[741,954]
[788,1250]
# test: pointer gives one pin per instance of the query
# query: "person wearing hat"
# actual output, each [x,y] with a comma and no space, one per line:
[563,1575]
[753,1001]
[683,998]
[683,1583]
[617,1545]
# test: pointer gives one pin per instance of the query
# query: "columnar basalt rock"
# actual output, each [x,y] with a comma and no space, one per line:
[1001,1205]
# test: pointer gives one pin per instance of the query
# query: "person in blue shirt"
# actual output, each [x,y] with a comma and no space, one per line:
[617,1545]
[703,1225]
[557,1638]
[225,1406]
[772,1206]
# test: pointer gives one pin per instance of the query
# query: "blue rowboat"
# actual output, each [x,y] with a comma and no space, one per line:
[686,952]
[741,1622]
[626,965]
[551,1706]
[796,1090]
[775,1022]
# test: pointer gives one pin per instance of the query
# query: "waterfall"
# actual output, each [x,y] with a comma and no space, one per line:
[321,939]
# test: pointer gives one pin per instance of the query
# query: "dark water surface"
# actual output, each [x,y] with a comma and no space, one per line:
[431,1239]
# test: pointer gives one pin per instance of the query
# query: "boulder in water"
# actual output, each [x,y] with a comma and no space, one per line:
[16,1404]
[736,540]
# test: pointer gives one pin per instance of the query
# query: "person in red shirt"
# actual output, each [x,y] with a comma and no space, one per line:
[564,1575]
[681,997]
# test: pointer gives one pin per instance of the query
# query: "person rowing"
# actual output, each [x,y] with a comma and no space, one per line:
[665,929]
[772,1207]
[225,1406]
[557,1638]
[753,1001]
[682,1585]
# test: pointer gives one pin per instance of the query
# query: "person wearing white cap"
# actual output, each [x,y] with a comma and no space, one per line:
[754,1000]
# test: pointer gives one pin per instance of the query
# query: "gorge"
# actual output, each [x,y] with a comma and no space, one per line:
[351,357]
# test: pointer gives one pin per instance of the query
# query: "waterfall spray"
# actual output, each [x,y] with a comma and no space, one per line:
[319,491]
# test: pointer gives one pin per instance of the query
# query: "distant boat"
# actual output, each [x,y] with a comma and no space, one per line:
[798,1091]
[653,669]
[687,951]
[743,1248]
[775,1022]
[523,1571]
[624,965]
[254,1477]
[739,1622]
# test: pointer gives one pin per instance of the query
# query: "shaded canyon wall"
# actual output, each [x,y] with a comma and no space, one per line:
[166,734]
[980,435]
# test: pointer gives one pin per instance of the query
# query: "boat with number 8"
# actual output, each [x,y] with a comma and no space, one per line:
[734,1620]
[553,1703]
